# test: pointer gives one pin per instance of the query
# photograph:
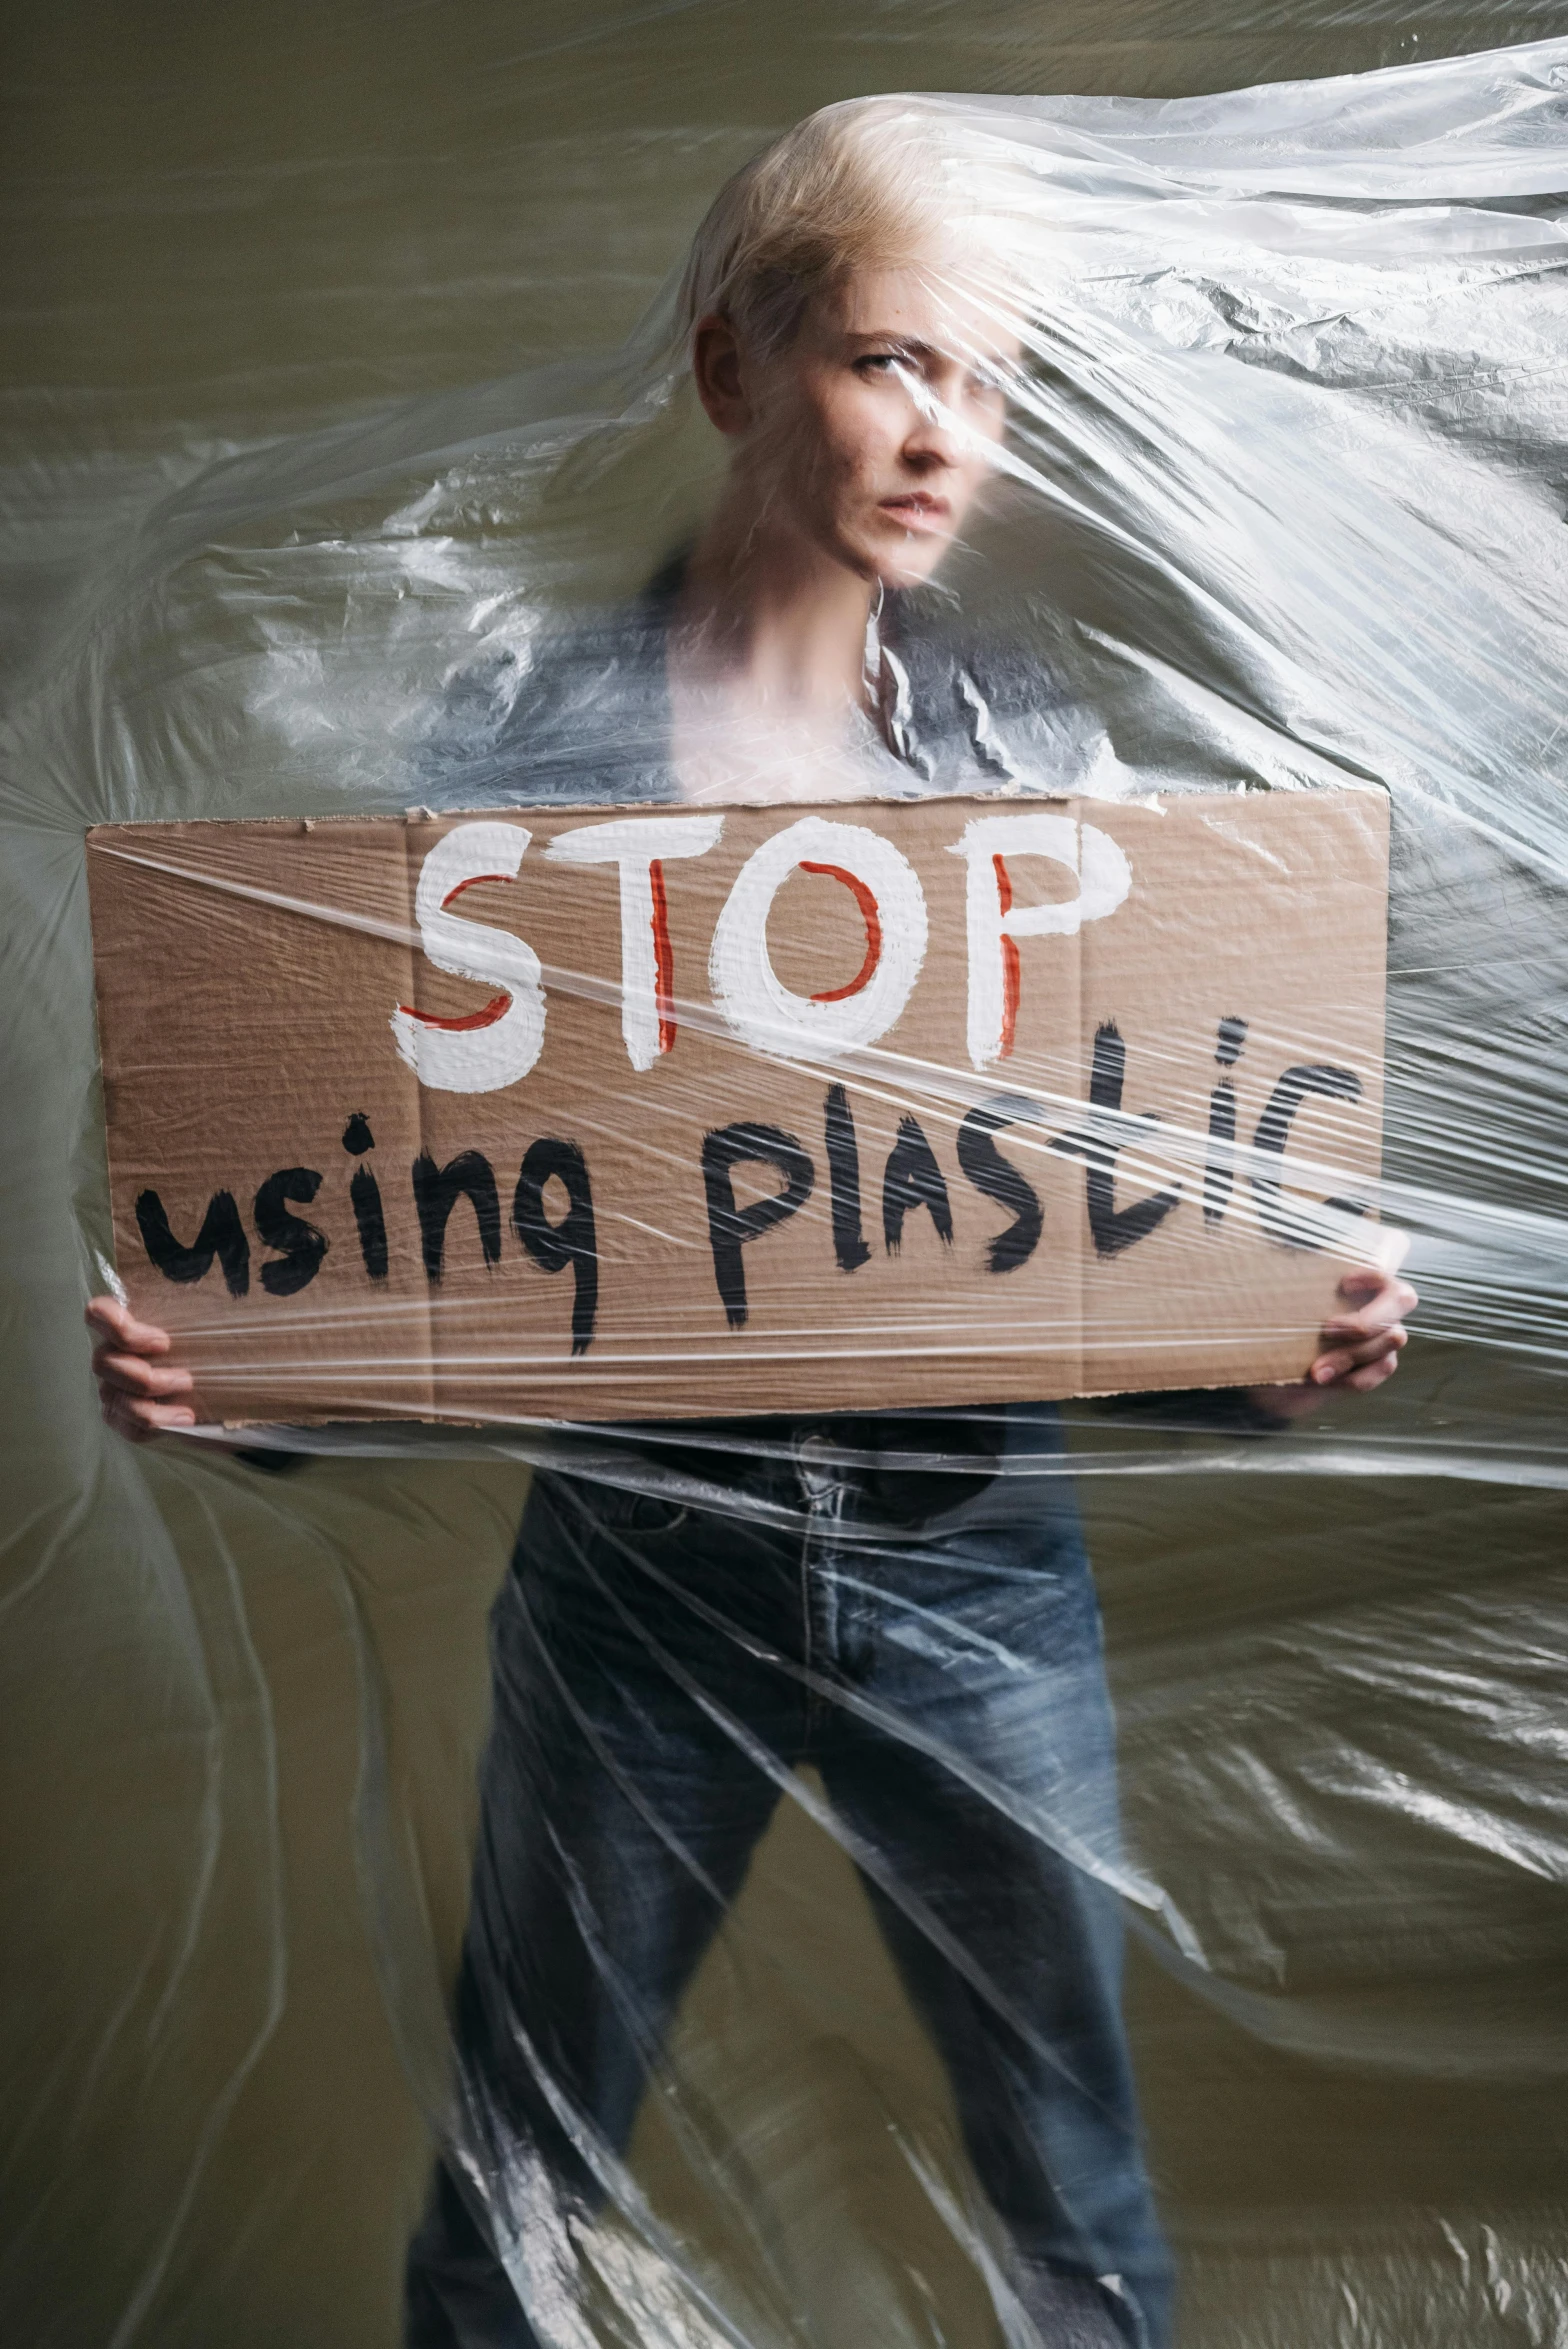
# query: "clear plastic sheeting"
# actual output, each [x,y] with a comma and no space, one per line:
[1063,1873]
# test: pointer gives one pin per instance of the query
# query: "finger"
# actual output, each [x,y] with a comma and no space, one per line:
[118,1322]
[131,1374]
[139,1420]
[115,1417]
[138,1375]
[1390,1305]
[1351,1328]
[1344,1358]
[1373,1374]
[1341,1360]
[1367,1281]
[1354,1329]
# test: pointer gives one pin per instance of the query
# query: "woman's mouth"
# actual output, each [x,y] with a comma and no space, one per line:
[918,510]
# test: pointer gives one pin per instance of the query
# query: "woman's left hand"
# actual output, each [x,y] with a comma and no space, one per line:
[1359,1348]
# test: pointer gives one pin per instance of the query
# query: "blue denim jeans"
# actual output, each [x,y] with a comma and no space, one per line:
[659,1670]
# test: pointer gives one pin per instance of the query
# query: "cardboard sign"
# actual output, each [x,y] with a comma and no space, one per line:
[598,1114]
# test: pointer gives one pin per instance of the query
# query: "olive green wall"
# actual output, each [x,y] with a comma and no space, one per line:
[230,222]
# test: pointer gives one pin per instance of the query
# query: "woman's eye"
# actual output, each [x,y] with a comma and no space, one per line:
[877,363]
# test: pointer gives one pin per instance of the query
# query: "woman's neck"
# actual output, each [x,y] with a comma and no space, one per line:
[769,621]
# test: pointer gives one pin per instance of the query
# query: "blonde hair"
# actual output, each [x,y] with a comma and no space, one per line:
[856,186]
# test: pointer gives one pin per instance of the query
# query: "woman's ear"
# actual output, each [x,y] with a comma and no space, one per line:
[716,369]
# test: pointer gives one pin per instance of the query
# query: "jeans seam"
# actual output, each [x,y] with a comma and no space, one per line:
[807,1640]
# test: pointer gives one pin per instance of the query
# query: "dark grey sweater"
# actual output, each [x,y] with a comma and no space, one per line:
[582,713]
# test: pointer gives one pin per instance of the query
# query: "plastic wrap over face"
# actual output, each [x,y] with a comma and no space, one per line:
[1266,409]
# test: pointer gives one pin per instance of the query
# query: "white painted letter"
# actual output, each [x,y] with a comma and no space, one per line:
[640,845]
[746,987]
[1104,878]
[495,1046]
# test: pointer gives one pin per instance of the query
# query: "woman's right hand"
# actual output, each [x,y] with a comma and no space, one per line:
[139,1389]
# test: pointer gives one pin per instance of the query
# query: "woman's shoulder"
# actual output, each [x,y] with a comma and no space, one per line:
[983,706]
[577,708]
[572,708]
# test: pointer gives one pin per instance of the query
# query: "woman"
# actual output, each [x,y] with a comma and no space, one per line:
[668,1651]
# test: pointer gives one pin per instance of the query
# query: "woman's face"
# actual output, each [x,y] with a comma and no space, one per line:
[870,435]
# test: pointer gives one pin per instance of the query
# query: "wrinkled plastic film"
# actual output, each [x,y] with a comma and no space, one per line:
[1276,510]
[1285,642]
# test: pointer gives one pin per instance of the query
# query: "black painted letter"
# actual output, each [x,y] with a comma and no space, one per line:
[298,1243]
[849,1242]
[437,1190]
[572,1241]
[913,1179]
[1335,1084]
[222,1235]
[1000,1180]
[729,1226]
[1219,1176]
[365,1193]
[1112,1228]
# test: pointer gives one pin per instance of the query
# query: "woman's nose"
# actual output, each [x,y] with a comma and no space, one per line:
[935,436]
